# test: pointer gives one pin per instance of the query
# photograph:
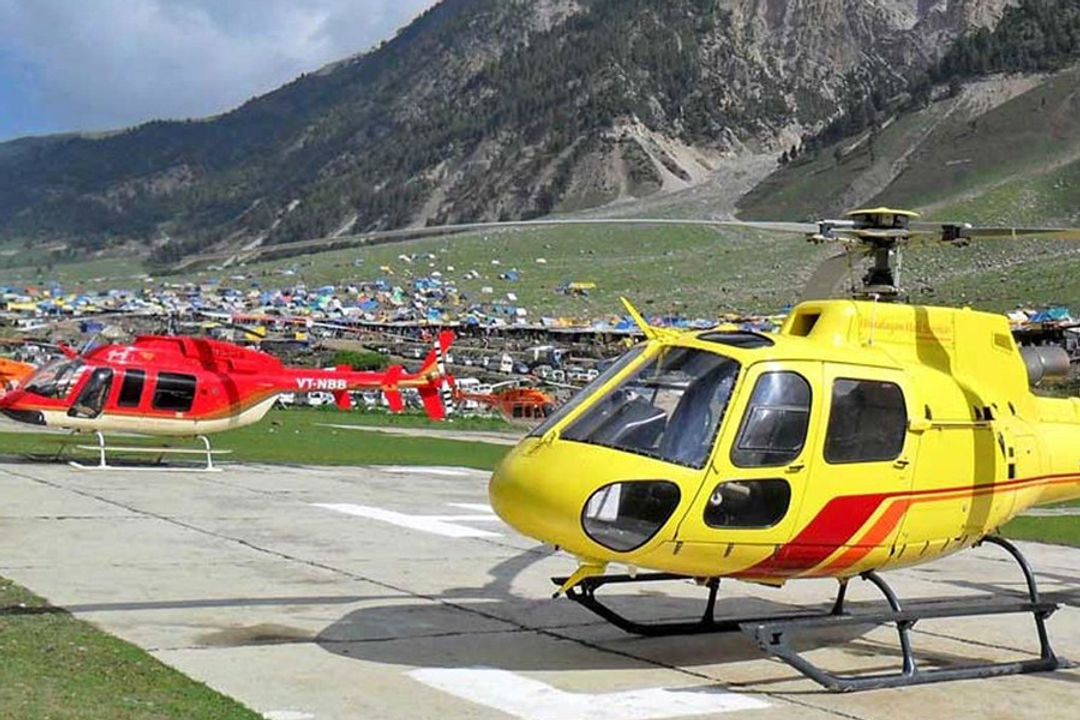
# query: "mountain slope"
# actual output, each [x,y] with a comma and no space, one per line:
[999,148]
[482,109]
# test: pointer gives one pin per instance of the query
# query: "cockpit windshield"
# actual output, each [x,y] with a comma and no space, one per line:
[56,379]
[586,392]
[669,409]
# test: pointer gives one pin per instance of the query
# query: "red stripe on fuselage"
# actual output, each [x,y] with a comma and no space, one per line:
[841,518]
[834,526]
[875,536]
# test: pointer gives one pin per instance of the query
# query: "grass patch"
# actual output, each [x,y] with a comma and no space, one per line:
[1053,529]
[28,267]
[56,667]
[292,438]
[401,420]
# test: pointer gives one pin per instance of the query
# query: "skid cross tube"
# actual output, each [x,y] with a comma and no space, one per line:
[584,594]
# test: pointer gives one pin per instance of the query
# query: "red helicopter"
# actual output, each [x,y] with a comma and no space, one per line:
[186,386]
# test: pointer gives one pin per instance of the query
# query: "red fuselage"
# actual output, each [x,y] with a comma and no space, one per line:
[184,386]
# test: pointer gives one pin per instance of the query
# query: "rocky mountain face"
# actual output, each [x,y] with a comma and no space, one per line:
[480,110]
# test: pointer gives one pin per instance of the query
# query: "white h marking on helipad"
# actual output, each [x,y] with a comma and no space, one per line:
[533,700]
[445,525]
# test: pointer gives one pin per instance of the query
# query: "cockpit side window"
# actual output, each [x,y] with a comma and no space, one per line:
[867,422]
[91,400]
[748,504]
[669,409]
[773,430]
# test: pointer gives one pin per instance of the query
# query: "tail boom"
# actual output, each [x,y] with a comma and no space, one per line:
[433,383]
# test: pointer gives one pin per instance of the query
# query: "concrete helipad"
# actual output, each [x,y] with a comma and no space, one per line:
[319,594]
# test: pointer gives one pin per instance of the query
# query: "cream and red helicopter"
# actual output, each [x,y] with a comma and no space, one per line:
[173,385]
[863,436]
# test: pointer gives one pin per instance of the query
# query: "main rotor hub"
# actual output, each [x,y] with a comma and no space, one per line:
[880,232]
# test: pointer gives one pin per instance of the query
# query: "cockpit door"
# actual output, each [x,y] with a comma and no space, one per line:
[91,400]
[755,483]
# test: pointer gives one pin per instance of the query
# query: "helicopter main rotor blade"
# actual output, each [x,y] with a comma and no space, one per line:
[792,228]
[828,275]
[966,232]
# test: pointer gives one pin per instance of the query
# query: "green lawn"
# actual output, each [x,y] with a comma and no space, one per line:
[54,667]
[1054,529]
[294,437]
[329,414]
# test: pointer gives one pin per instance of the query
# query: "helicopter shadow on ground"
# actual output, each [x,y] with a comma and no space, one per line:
[490,626]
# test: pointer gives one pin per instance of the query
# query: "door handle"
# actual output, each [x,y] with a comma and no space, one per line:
[902,463]
[798,467]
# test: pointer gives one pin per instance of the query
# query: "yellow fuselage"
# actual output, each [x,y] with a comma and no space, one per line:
[920,436]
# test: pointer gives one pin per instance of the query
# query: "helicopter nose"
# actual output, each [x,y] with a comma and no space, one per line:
[523,494]
[9,407]
[588,501]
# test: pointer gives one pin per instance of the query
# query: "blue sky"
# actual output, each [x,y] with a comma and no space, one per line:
[103,64]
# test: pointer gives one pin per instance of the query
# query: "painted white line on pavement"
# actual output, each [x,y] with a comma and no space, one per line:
[429,524]
[474,507]
[533,700]
[418,470]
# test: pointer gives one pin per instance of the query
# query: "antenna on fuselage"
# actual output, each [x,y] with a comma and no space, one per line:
[874,297]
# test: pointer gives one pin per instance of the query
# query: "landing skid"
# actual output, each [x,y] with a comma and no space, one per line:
[584,593]
[102,449]
[773,633]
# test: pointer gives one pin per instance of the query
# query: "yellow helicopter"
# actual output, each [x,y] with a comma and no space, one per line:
[865,435]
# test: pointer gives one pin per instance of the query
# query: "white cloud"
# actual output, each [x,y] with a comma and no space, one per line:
[93,64]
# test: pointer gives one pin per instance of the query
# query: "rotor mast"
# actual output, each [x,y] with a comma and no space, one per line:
[878,234]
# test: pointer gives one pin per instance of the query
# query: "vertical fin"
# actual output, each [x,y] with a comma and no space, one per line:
[391,391]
